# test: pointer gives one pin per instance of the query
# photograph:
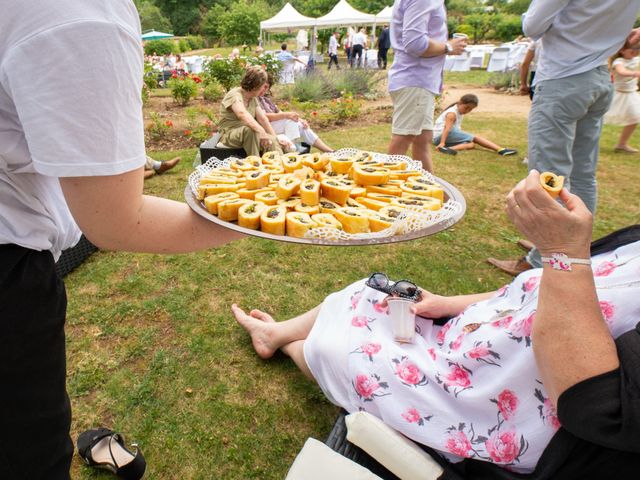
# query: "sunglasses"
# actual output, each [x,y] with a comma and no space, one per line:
[402,288]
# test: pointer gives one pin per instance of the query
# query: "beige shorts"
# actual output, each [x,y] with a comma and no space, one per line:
[412,110]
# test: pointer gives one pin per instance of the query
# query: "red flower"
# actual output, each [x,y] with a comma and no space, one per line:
[411,415]
[604,269]
[502,447]
[314,113]
[458,444]
[168,123]
[458,377]
[371,348]
[409,372]
[174,75]
[507,403]
[365,386]
[187,133]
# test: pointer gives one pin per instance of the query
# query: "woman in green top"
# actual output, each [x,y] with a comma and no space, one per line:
[243,123]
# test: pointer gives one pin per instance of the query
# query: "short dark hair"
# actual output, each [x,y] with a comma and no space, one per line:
[253,78]
[283,46]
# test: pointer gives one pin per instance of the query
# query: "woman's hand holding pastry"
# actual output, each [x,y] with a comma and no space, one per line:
[552,227]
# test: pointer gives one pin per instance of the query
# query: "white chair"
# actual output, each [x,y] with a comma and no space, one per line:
[461,63]
[371,58]
[476,57]
[299,68]
[287,75]
[516,55]
[499,59]
[448,62]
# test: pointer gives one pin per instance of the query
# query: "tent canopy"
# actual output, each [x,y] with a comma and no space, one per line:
[153,35]
[286,19]
[344,14]
[384,16]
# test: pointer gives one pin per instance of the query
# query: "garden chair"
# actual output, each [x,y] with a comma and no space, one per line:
[498,60]
[462,62]
[287,75]
[476,57]
[448,62]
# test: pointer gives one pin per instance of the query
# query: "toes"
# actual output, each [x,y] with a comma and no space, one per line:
[260,315]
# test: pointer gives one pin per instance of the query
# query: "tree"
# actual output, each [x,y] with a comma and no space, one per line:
[241,23]
[151,18]
[481,24]
[211,25]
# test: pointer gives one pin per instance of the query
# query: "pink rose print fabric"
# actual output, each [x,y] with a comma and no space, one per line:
[470,387]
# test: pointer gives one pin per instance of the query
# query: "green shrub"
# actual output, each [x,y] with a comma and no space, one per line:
[345,108]
[198,130]
[213,91]
[269,62]
[158,128]
[508,27]
[227,72]
[355,81]
[312,88]
[196,42]
[150,77]
[161,47]
[503,80]
[183,45]
[183,89]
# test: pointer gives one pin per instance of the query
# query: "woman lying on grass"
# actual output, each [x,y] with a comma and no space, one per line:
[449,138]
[538,377]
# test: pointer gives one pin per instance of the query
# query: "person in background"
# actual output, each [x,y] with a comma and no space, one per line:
[243,124]
[346,43]
[181,66]
[71,162]
[358,46]
[290,124]
[528,68]
[625,108]
[449,137]
[151,167]
[286,56]
[573,92]
[333,51]
[419,39]
[384,43]
[235,53]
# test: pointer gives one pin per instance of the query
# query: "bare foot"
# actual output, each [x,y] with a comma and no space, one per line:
[259,325]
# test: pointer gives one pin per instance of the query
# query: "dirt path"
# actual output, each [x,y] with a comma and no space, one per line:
[491,101]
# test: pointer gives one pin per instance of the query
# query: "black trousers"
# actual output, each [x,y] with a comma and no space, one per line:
[356,51]
[333,58]
[382,57]
[35,413]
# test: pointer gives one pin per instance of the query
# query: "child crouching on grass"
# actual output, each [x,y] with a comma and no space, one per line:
[450,139]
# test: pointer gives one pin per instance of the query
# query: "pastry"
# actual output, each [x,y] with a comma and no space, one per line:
[386,189]
[268,197]
[304,208]
[211,202]
[370,175]
[251,194]
[257,179]
[298,224]
[552,183]
[425,203]
[228,209]
[356,192]
[352,219]
[335,191]
[403,174]
[314,160]
[249,215]
[310,192]
[288,185]
[372,203]
[381,197]
[243,164]
[327,206]
[434,191]
[271,158]
[326,220]
[378,222]
[362,156]
[341,164]
[213,188]
[290,204]
[211,179]
[272,220]
[290,162]
[392,211]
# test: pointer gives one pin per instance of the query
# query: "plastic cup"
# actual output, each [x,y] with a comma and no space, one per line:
[403,321]
[460,35]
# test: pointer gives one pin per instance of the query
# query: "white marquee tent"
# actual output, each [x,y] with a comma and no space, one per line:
[344,14]
[384,16]
[286,19]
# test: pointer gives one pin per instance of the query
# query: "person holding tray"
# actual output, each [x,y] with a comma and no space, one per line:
[72,156]
[243,123]
[538,377]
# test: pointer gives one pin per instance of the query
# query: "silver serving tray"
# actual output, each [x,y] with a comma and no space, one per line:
[451,193]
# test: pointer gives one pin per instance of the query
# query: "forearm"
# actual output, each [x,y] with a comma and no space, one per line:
[445,134]
[251,122]
[457,304]
[274,117]
[540,16]
[263,121]
[435,49]
[571,341]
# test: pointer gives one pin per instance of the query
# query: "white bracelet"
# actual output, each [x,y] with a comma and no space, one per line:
[560,261]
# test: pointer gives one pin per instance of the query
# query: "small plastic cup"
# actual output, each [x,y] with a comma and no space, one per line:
[403,321]
[460,35]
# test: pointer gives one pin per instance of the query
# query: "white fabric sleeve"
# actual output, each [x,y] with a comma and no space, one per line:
[540,15]
[77,91]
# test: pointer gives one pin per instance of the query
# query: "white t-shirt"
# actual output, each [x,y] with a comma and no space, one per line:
[438,128]
[624,83]
[333,45]
[70,106]
[359,39]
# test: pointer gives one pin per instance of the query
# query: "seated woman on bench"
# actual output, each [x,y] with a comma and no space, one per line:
[290,124]
[243,124]
[541,376]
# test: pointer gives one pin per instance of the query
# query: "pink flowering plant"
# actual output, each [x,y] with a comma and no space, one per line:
[159,127]
[184,88]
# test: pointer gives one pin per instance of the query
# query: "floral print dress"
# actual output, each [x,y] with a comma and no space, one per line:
[469,388]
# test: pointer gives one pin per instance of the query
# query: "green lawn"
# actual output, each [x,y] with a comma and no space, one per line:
[154,353]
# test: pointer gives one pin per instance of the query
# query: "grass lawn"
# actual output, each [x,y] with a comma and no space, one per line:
[154,352]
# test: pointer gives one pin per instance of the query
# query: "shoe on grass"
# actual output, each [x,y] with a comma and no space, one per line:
[525,244]
[447,150]
[512,267]
[625,149]
[168,165]
[507,151]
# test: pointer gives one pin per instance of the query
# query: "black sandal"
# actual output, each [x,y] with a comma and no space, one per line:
[104,448]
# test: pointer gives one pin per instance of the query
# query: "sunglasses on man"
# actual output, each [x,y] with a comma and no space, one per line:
[402,288]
